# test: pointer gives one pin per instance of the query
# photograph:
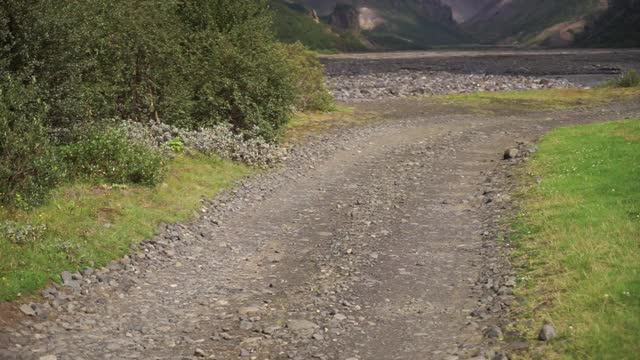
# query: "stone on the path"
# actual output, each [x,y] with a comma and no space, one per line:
[199,353]
[48,357]
[339,317]
[511,153]
[249,311]
[493,332]
[547,333]
[27,310]
[270,330]
[69,281]
[296,325]
[50,293]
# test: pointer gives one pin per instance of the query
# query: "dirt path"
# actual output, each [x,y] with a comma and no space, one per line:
[368,244]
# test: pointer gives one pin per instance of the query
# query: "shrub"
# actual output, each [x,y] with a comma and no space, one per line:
[219,140]
[308,76]
[628,80]
[29,167]
[105,154]
[191,63]
[239,74]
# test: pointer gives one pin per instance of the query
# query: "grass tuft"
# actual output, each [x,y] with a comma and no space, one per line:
[578,240]
[630,79]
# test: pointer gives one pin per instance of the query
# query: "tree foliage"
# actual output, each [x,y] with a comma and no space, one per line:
[191,63]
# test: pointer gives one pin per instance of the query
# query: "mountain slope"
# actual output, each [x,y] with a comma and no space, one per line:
[391,24]
[619,26]
[464,10]
[528,22]
[294,22]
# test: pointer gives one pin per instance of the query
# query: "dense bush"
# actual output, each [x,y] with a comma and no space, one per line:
[105,154]
[192,63]
[308,74]
[29,167]
[210,67]
[239,74]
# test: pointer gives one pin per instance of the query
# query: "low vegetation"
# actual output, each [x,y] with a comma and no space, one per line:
[577,240]
[630,79]
[308,123]
[548,99]
[84,224]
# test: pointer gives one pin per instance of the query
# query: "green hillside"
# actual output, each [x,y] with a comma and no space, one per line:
[403,31]
[292,23]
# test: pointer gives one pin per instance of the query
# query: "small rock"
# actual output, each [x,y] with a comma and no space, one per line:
[547,333]
[510,153]
[48,357]
[249,311]
[501,356]
[511,282]
[126,283]
[297,325]
[88,271]
[50,293]
[199,353]
[493,332]
[27,310]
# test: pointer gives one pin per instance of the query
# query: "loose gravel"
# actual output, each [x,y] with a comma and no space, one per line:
[404,83]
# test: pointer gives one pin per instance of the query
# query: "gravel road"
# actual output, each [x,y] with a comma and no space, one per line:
[373,243]
[369,243]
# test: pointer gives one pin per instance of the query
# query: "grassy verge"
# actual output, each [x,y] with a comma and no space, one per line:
[94,225]
[548,99]
[578,241]
[304,124]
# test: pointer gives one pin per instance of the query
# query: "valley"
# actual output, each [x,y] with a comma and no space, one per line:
[423,24]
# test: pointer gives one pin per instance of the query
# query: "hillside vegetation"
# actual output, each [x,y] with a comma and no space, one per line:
[293,23]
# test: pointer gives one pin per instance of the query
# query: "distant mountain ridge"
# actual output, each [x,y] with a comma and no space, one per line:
[391,24]
[421,24]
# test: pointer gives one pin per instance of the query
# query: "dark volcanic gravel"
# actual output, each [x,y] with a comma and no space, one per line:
[415,83]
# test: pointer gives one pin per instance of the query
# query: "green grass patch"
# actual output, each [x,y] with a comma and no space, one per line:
[548,99]
[578,241]
[84,224]
[304,124]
